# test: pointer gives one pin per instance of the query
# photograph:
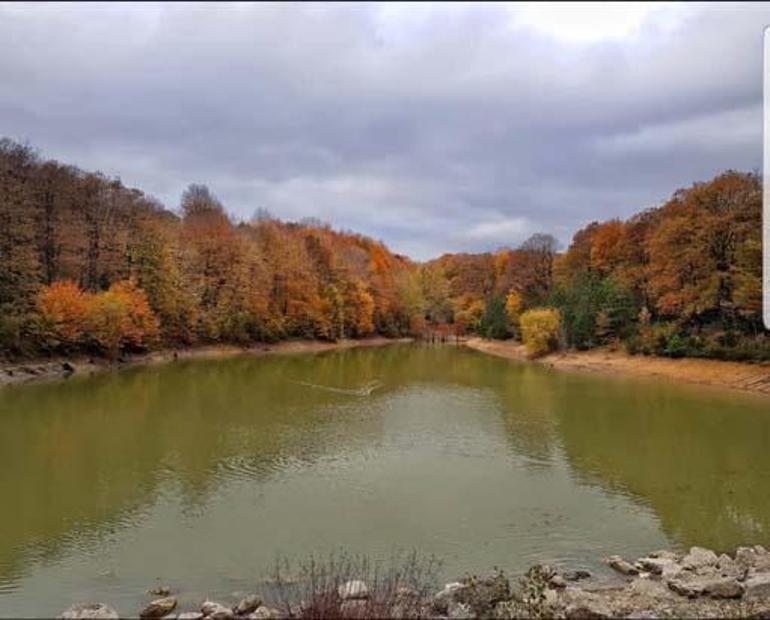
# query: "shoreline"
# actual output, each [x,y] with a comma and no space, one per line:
[661,584]
[62,367]
[753,378]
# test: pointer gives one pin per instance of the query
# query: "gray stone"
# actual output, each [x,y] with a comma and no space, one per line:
[656,566]
[649,589]
[672,570]
[160,591]
[714,586]
[581,604]
[558,582]
[482,594]
[725,562]
[698,557]
[355,589]
[622,566]
[247,605]
[91,611]
[215,611]
[728,587]
[746,557]
[158,608]
[757,587]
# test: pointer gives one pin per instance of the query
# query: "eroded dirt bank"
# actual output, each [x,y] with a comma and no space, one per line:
[62,367]
[734,375]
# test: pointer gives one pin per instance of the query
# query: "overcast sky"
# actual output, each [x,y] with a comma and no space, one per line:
[432,127]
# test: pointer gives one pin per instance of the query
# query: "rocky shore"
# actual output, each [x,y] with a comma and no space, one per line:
[662,584]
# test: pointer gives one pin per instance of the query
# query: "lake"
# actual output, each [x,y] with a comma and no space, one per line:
[198,474]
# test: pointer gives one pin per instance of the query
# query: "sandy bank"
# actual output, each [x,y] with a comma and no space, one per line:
[734,375]
[62,367]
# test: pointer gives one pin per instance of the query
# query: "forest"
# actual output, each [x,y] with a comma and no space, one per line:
[88,265]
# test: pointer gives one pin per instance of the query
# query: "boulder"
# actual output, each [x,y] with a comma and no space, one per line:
[581,604]
[558,582]
[727,565]
[158,608]
[757,587]
[215,611]
[622,566]
[714,586]
[656,566]
[351,590]
[247,605]
[698,558]
[442,599]
[746,557]
[160,591]
[91,611]
[483,594]
[648,589]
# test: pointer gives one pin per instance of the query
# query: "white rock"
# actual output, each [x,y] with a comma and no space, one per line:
[355,589]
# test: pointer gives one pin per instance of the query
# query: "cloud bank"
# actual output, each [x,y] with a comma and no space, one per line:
[434,128]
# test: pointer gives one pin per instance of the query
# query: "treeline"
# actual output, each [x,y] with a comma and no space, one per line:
[87,264]
[684,279]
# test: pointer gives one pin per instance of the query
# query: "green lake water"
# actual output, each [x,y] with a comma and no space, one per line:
[198,474]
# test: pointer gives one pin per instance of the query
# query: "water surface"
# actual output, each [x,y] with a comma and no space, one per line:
[198,473]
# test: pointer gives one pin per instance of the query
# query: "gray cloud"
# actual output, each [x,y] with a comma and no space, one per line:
[441,128]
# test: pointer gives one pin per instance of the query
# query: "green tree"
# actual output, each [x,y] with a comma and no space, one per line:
[495,322]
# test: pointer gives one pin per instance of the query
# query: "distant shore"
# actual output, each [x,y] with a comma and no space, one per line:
[60,367]
[746,377]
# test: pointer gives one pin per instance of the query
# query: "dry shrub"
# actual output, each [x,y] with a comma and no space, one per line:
[398,588]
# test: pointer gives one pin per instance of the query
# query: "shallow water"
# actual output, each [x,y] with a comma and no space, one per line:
[198,474]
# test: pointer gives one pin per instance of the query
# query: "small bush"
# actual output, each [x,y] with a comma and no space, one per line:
[401,587]
[540,330]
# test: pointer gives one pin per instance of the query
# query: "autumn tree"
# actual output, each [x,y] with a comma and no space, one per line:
[65,310]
